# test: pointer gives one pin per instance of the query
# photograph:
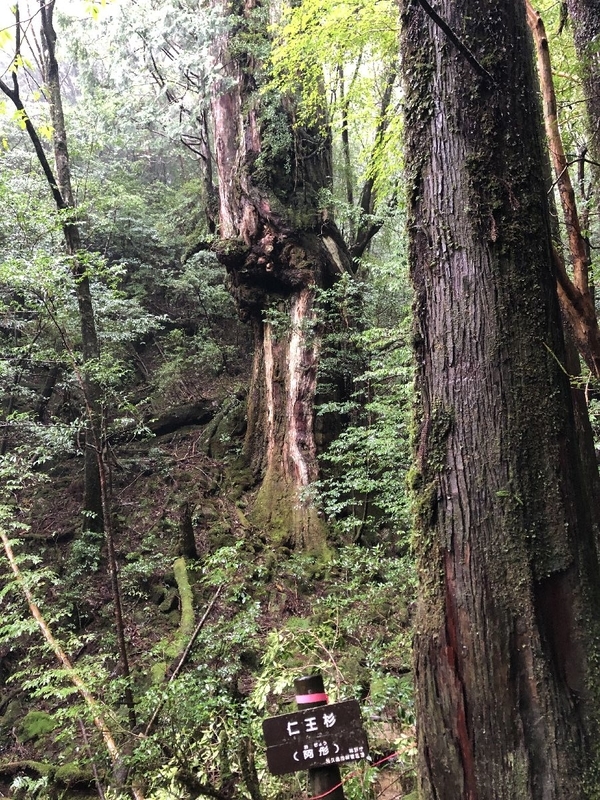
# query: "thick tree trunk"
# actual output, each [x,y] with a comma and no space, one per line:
[507,625]
[280,444]
[278,249]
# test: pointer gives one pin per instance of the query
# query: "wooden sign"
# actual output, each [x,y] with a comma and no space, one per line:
[315,737]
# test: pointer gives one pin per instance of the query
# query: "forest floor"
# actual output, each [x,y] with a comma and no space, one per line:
[345,613]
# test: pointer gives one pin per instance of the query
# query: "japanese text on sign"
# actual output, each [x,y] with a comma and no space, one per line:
[310,724]
[315,736]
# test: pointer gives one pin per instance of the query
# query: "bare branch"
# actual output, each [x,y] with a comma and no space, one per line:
[455,40]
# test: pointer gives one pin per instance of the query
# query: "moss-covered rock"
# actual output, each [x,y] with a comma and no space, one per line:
[72,774]
[14,711]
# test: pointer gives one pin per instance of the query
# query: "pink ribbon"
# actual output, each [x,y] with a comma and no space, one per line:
[304,699]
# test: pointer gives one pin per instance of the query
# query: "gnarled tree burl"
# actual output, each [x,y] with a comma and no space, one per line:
[278,247]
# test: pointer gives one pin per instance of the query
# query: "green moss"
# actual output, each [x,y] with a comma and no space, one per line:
[414,479]
[41,768]
[287,520]
[431,447]
[226,430]
[438,431]
[186,625]
[185,616]
[158,671]
[69,774]
[14,710]
[35,725]
[424,506]
[418,108]
[432,453]
[231,252]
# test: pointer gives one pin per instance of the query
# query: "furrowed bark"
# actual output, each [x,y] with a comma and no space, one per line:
[506,633]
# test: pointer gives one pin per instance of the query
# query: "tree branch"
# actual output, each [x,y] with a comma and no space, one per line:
[368,226]
[577,245]
[60,654]
[37,144]
[576,294]
[432,14]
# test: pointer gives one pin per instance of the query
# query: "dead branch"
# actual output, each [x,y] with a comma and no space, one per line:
[576,294]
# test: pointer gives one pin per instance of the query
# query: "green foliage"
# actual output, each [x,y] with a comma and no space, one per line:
[36,725]
[163,49]
[567,72]
[342,54]
[339,615]
[316,37]
[274,159]
[366,374]
[25,786]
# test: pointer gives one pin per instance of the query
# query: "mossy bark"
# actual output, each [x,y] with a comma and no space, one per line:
[506,635]
[186,598]
[278,247]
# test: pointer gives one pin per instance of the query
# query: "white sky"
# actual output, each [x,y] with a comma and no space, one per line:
[29,6]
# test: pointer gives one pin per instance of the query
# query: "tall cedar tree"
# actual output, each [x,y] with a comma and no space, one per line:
[278,247]
[506,635]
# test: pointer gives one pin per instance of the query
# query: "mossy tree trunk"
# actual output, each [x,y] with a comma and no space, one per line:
[279,247]
[506,635]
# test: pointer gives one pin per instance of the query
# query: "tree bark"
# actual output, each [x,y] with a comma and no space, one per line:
[279,248]
[368,224]
[585,15]
[506,628]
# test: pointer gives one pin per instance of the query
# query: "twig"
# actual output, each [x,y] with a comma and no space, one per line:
[101,794]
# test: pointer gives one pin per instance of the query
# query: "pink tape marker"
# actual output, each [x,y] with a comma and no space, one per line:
[304,699]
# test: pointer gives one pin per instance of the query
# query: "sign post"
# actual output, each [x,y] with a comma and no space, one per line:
[318,738]
[310,693]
